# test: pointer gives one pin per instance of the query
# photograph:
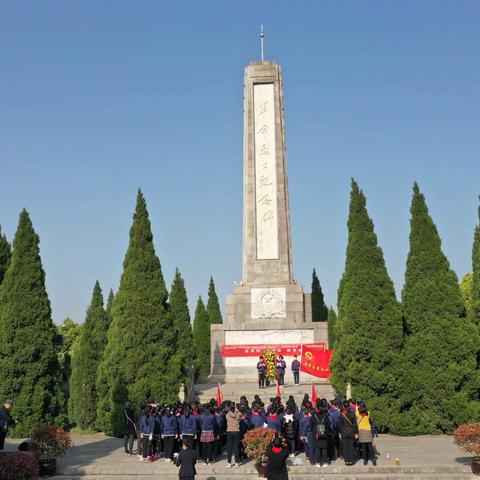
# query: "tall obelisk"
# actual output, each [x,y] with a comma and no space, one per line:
[268,307]
[268,291]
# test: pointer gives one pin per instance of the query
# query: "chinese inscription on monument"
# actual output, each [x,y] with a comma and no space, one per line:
[265,172]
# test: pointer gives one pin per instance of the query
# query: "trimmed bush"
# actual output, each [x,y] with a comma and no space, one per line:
[19,466]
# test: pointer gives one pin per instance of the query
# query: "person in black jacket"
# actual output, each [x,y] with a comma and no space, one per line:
[186,460]
[6,421]
[290,429]
[129,428]
[320,427]
[348,431]
[277,461]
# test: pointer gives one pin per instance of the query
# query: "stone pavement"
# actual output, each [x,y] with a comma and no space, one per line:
[97,457]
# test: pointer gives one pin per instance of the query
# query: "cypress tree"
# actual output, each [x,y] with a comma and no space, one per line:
[181,323]
[5,255]
[369,327]
[28,356]
[213,307]
[439,381]
[85,361]
[110,299]
[141,343]
[319,309]
[466,287]
[474,313]
[201,339]
[332,321]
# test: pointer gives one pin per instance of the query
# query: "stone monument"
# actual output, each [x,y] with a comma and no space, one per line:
[268,306]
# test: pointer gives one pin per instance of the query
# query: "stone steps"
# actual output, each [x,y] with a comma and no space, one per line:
[246,471]
[319,475]
[233,391]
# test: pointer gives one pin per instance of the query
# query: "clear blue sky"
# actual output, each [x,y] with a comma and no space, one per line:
[99,98]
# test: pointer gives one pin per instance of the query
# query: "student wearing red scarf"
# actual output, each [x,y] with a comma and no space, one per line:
[277,461]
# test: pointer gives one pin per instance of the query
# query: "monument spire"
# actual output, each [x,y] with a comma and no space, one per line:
[261,40]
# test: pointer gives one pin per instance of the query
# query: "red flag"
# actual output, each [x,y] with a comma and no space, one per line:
[314,396]
[279,393]
[316,360]
[219,395]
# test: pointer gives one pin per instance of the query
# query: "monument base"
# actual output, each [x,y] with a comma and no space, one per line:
[288,303]
[241,369]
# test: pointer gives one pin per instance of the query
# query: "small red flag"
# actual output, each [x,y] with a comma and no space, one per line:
[314,396]
[219,395]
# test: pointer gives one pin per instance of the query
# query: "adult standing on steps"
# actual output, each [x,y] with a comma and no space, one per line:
[281,367]
[261,369]
[296,370]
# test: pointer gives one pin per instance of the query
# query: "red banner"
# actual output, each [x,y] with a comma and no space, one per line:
[286,349]
[316,360]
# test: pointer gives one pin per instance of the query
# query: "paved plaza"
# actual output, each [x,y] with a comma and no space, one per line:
[97,457]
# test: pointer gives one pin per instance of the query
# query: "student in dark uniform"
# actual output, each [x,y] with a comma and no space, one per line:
[320,426]
[296,370]
[261,369]
[281,367]
[277,461]
[348,431]
[186,460]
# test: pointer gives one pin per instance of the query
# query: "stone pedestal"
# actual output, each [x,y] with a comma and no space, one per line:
[243,369]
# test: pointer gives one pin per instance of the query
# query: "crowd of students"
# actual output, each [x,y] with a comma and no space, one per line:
[324,431]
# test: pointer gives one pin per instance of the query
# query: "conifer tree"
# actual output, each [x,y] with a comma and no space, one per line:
[474,313]
[439,381]
[181,323]
[5,255]
[88,354]
[141,343]
[28,357]
[213,307]
[201,339]
[110,299]
[319,309]
[332,321]
[369,327]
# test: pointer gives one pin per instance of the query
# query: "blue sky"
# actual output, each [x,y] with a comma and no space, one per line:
[98,98]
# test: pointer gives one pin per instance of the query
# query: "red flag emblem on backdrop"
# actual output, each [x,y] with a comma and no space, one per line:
[316,360]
